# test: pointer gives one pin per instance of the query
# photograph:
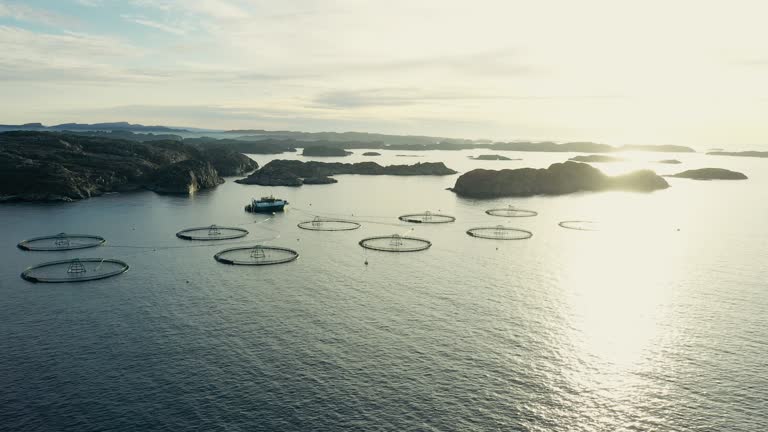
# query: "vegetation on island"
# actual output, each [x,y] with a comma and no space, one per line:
[558,179]
[54,166]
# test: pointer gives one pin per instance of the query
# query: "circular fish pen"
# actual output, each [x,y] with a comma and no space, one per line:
[580,225]
[500,232]
[320,224]
[511,211]
[61,242]
[75,270]
[427,217]
[212,232]
[256,255]
[395,243]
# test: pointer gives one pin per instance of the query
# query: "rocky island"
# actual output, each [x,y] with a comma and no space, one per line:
[325,151]
[710,174]
[491,157]
[371,154]
[595,158]
[296,173]
[54,166]
[558,179]
[669,161]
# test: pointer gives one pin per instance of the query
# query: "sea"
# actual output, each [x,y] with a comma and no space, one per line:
[655,320]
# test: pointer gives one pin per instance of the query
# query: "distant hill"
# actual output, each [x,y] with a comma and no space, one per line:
[115,126]
[760,154]
[659,148]
[254,134]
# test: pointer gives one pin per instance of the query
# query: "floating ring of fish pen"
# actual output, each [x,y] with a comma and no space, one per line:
[511,211]
[320,224]
[212,232]
[61,242]
[256,255]
[427,217]
[395,243]
[500,232]
[580,225]
[75,270]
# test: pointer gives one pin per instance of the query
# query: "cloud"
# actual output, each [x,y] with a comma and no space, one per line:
[164,5]
[154,24]
[373,97]
[79,57]
[20,12]
[217,9]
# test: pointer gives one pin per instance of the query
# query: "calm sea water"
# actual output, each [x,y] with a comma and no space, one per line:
[657,322]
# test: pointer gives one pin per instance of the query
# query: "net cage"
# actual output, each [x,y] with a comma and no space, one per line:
[580,225]
[427,217]
[212,232]
[61,242]
[321,224]
[511,211]
[256,255]
[75,270]
[395,243]
[500,232]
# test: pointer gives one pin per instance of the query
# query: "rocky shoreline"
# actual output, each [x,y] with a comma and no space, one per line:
[295,173]
[53,166]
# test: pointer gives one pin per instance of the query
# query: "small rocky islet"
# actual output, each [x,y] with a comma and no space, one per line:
[492,157]
[324,151]
[595,158]
[710,174]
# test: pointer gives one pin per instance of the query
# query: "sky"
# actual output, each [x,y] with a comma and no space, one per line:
[619,72]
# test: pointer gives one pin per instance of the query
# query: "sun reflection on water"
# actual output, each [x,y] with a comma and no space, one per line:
[617,294]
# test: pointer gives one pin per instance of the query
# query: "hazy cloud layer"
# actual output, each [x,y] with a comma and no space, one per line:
[682,72]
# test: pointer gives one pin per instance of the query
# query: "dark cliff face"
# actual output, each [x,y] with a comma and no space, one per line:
[558,179]
[229,163]
[45,166]
[184,177]
[290,172]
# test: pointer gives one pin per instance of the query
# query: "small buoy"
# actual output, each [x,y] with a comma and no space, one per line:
[187,281]
[366,262]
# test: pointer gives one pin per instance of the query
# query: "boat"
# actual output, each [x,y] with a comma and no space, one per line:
[268,204]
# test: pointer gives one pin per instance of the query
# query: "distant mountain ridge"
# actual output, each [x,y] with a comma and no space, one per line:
[273,142]
[111,126]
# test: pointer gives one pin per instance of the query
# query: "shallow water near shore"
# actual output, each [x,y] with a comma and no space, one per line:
[656,321]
